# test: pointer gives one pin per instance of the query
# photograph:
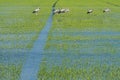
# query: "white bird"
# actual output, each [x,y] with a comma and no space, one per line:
[89,11]
[106,10]
[36,11]
[58,11]
[63,10]
[67,10]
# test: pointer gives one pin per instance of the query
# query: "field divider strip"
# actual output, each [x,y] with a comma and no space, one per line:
[31,66]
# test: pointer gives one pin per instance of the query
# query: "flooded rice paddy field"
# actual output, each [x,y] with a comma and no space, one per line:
[19,29]
[78,53]
[83,47]
[79,46]
[95,47]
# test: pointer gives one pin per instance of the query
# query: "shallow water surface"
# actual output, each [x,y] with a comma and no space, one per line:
[94,49]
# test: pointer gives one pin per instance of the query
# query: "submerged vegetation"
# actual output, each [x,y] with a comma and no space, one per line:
[80,46]
[9,72]
[93,72]
[83,46]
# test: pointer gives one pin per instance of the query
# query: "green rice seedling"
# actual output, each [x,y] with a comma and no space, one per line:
[89,42]
[9,72]
[79,46]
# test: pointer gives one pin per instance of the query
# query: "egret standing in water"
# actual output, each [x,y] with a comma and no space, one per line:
[89,11]
[64,10]
[106,10]
[36,11]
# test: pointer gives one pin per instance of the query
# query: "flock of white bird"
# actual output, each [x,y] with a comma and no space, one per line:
[63,10]
[58,11]
[104,11]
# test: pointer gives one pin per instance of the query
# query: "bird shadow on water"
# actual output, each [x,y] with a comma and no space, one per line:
[34,58]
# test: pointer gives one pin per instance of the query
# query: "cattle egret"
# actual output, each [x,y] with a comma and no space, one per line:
[89,11]
[36,11]
[106,10]
[67,10]
[56,11]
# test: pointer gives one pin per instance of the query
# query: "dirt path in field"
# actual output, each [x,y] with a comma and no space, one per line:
[31,66]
